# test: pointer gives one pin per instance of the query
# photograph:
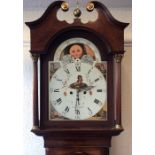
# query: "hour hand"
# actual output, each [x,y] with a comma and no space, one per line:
[78,86]
[87,88]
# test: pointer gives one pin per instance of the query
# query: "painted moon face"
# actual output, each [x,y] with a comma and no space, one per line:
[76,51]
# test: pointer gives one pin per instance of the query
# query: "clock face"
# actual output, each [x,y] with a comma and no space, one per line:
[77,84]
[77,90]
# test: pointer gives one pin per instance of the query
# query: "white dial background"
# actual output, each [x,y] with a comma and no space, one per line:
[64,98]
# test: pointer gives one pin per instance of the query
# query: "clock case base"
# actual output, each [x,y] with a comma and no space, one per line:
[78,151]
[77,142]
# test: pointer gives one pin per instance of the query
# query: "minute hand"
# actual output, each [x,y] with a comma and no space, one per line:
[77,98]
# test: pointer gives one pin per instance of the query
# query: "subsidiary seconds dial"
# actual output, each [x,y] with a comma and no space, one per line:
[77,92]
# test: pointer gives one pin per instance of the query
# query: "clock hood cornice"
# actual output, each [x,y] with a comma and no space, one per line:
[105,26]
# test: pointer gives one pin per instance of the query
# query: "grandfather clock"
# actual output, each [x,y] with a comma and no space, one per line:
[79,106]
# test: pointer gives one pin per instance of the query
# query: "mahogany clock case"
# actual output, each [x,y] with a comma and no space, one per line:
[47,33]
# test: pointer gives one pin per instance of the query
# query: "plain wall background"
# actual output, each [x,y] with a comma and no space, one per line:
[121,145]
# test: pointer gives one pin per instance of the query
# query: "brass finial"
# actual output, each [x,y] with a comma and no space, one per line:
[117,126]
[77,12]
[90,6]
[65,6]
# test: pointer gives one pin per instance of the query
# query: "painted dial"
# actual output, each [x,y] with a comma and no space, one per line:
[88,45]
[77,90]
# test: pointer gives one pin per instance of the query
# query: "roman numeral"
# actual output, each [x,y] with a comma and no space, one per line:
[56,90]
[58,101]
[66,110]
[77,112]
[99,90]
[97,101]
[78,68]
[96,79]
[58,79]
[90,111]
[67,71]
[89,71]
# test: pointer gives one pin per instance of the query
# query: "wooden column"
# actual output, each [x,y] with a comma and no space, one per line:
[117,90]
[35,92]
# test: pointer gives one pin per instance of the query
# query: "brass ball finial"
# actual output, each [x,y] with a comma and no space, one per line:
[77,12]
[90,6]
[65,6]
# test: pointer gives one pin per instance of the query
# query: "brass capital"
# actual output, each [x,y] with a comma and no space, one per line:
[118,57]
[35,57]
[35,128]
[117,126]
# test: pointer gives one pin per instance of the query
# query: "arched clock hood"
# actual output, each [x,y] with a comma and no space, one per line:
[106,26]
